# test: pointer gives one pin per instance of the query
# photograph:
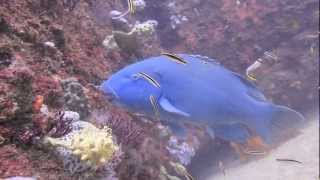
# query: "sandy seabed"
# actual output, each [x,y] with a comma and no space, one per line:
[303,148]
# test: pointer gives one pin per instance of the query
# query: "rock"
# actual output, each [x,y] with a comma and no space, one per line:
[74,97]
[110,43]
[5,57]
[183,151]
[16,95]
[139,5]
[28,35]
[49,44]
[4,26]
[119,24]
[17,166]
[177,20]
[141,36]
[71,116]
[58,35]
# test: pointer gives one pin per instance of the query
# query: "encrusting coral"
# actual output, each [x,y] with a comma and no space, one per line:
[94,146]
[75,98]
[130,42]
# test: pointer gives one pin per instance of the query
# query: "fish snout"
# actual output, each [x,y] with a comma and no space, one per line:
[109,93]
[109,96]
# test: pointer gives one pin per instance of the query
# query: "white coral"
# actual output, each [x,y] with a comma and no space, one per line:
[183,151]
[85,147]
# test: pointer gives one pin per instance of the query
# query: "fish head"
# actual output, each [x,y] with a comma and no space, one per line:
[132,90]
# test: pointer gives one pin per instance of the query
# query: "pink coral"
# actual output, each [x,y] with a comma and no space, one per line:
[122,125]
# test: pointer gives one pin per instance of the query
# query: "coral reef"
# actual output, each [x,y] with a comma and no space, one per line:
[26,134]
[15,161]
[90,144]
[85,147]
[5,57]
[61,124]
[15,94]
[141,35]
[127,131]
[44,43]
[183,151]
[176,18]
[17,164]
[133,6]
[74,97]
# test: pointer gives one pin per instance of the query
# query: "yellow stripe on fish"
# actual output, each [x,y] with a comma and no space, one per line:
[131,6]
[154,105]
[175,58]
[149,79]
[257,153]
[251,77]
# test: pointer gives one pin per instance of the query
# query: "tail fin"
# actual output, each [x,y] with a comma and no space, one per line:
[280,123]
[285,122]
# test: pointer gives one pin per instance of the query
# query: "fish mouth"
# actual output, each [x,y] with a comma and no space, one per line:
[114,93]
[110,94]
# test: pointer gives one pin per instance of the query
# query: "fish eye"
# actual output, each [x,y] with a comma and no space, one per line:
[135,77]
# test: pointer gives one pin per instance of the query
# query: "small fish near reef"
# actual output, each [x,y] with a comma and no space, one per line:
[180,89]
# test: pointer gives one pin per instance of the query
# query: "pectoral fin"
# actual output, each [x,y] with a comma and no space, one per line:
[167,106]
[210,132]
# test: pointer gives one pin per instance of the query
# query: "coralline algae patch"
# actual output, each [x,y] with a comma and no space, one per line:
[85,148]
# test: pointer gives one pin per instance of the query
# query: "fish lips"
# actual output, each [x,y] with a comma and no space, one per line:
[109,93]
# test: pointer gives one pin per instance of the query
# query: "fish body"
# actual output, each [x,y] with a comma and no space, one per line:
[197,90]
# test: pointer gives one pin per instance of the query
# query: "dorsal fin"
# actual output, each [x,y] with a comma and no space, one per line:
[175,58]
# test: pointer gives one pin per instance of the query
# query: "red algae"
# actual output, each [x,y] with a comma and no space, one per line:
[14,162]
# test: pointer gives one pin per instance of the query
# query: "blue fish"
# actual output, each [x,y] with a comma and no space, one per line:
[179,89]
